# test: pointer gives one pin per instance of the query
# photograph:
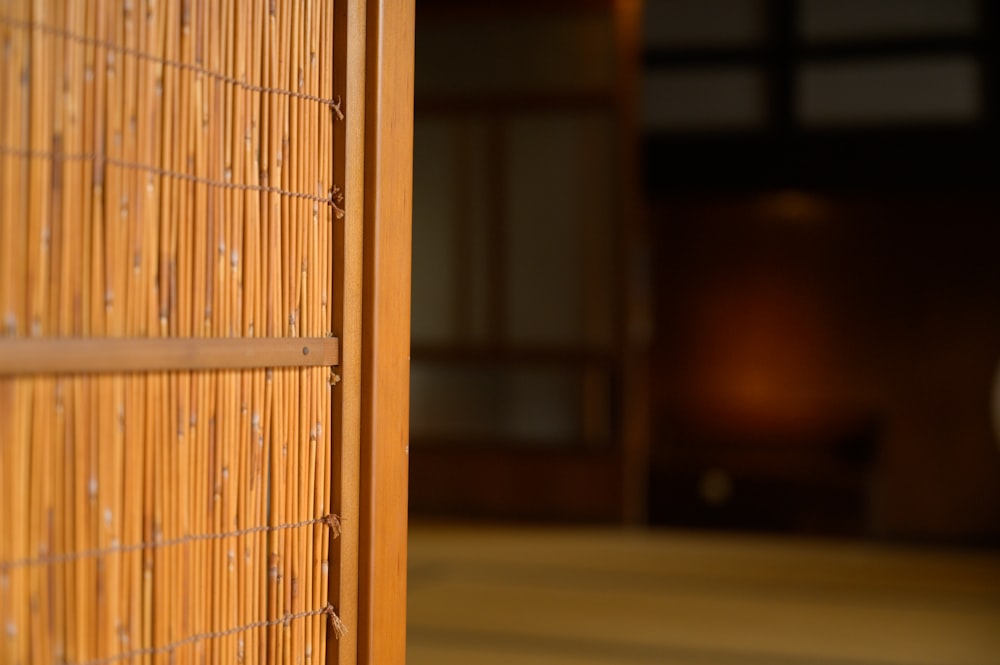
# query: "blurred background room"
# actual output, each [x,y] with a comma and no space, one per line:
[706,306]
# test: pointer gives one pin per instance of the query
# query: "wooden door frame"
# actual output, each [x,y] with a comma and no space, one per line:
[388,149]
[374,76]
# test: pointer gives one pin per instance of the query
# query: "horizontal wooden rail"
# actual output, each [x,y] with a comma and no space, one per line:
[519,355]
[82,355]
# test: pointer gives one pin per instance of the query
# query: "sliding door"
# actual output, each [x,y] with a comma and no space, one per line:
[190,396]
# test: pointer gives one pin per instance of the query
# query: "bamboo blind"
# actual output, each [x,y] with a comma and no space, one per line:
[166,176]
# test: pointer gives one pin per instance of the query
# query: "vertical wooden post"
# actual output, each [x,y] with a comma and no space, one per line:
[636,320]
[386,331]
[349,141]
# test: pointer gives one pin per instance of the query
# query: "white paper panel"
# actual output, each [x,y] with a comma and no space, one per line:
[547,53]
[823,20]
[898,91]
[434,221]
[560,190]
[696,99]
[490,403]
[685,23]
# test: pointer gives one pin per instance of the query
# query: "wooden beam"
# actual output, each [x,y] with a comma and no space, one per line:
[535,483]
[80,355]
[386,337]
[349,174]
[485,355]
[635,321]
[501,105]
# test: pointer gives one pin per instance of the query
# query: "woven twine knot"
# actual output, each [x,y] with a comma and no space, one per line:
[339,629]
[333,522]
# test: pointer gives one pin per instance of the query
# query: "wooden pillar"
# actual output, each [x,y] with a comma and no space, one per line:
[386,336]
[634,289]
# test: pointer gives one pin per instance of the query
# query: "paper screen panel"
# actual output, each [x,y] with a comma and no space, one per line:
[166,172]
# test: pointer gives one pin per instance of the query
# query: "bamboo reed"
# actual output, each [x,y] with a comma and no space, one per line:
[163,173]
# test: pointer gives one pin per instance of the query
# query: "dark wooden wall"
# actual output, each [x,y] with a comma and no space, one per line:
[832,355]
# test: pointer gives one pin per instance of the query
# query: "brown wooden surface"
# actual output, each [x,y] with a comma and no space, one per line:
[385,352]
[505,103]
[510,355]
[63,355]
[634,286]
[450,8]
[500,483]
[349,145]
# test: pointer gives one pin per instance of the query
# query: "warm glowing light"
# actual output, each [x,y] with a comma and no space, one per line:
[793,206]
[762,356]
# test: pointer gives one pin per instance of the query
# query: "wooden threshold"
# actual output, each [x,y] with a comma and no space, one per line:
[80,355]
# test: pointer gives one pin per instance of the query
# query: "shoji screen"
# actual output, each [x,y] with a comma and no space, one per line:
[529,316]
[182,207]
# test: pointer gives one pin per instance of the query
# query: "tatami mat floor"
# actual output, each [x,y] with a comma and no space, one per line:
[484,596]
